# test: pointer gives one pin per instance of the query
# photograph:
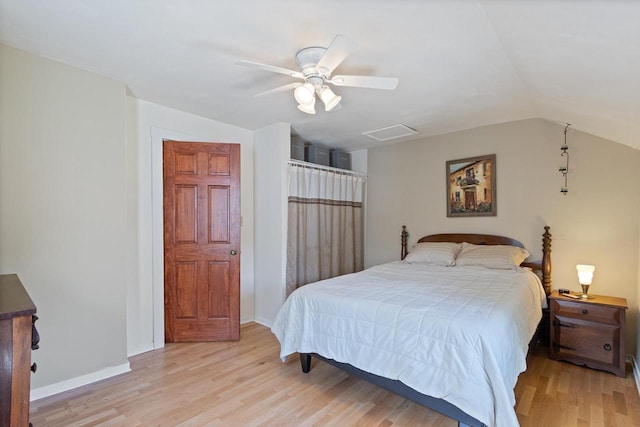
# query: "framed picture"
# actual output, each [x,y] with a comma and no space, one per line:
[471,186]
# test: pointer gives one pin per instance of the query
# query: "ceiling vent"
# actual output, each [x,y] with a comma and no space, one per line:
[390,132]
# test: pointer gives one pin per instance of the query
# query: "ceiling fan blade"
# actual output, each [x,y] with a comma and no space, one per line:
[372,82]
[272,68]
[338,50]
[278,89]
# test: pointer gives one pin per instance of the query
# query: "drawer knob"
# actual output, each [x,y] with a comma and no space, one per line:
[585,311]
[34,367]
[607,347]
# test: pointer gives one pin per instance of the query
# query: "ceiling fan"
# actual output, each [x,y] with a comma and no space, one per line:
[315,68]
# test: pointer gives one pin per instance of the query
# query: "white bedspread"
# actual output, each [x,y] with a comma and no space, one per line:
[455,333]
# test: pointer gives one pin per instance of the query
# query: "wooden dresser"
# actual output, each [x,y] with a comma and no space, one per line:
[17,337]
[589,331]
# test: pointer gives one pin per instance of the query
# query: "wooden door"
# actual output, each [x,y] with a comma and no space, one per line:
[201,241]
[470,200]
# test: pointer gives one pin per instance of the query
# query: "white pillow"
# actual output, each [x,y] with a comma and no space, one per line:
[434,253]
[492,256]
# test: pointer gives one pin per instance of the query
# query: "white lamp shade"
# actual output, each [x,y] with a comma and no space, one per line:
[585,273]
[330,99]
[305,94]
[307,108]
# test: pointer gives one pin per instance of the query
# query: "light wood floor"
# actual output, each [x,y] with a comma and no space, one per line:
[245,384]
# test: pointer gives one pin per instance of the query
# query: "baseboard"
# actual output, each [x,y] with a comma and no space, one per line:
[49,390]
[636,372]
[140,351]
[263,322]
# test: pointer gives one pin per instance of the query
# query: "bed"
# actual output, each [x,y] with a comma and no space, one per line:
[450,334]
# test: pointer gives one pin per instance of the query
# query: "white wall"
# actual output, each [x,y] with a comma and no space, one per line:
[147,125]
[359,164]
[359,161]
[62,210]
[81,213]
[272,146]
[595,223]
[637,356]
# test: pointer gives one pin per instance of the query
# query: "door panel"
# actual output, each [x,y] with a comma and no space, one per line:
[186,290]
[219,291]
[186,164]
[219,164]
[186,214]
[202,238]
[218,214]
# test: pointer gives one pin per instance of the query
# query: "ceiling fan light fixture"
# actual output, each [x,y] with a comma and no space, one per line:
[305,94]
[307,108]
[315,68]
[330,99]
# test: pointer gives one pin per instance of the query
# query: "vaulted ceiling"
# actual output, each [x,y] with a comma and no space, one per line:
[461,64]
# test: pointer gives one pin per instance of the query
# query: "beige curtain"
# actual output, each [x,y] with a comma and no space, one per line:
[325,231]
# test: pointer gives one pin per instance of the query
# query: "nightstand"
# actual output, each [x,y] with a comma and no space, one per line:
[588,331]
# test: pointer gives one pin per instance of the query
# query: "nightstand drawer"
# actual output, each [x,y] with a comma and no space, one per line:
[591,312]
[598,342]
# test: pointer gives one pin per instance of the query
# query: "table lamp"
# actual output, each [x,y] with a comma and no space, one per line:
[585,276]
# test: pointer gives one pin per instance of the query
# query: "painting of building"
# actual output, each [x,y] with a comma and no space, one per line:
[471,186]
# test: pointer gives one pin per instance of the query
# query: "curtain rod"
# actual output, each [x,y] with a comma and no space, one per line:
[308,165]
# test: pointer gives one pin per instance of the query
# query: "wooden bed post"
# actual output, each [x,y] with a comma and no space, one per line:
[403,241]
[546,260]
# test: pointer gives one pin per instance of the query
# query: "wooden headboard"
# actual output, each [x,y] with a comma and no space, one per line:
[543,266]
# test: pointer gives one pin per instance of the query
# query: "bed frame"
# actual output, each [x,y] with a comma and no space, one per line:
[542,267]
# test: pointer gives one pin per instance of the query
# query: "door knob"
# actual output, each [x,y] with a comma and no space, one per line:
[233,252]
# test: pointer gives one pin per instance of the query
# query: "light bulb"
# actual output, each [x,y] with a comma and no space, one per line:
[330,99]
[585,273]
[307,108]
[305,94]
